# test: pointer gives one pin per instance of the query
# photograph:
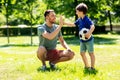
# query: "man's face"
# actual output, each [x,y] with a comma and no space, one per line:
[79,13]
[51,17]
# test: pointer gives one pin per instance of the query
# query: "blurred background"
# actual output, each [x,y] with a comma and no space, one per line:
[22,17]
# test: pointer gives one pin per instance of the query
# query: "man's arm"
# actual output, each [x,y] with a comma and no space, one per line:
[63,43]
[50,36]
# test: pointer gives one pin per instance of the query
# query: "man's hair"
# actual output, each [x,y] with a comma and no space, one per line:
[47,12]
[82,7]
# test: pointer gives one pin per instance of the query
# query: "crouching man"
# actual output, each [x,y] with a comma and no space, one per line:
[48,34]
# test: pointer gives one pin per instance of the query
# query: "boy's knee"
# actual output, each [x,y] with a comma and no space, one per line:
[91,54]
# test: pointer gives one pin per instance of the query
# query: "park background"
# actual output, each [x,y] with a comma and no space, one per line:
[19,20]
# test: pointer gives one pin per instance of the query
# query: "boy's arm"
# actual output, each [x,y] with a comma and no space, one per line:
[90,31]
[69,24]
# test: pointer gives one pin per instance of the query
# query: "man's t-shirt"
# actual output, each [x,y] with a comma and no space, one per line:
[48,44]
[84,23]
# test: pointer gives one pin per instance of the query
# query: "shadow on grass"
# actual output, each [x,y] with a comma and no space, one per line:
[97,40]
[48,69]
[102,40]
[16,45]
[71,39]
[90,72]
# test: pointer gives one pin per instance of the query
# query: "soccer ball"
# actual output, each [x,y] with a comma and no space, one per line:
[82,34]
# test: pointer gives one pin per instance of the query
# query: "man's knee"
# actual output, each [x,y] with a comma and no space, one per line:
[71,55]
[41,52]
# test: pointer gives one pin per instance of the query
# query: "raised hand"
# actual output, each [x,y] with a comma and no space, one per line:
[61,21]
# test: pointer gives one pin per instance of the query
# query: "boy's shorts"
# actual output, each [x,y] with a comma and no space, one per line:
[89,45]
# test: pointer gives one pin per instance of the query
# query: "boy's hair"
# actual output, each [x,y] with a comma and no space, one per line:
[82,7]
[47,12]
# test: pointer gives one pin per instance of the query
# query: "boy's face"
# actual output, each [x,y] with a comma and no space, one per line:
[79,13]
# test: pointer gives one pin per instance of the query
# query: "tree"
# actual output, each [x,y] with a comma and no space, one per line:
[30,11]
[29,8]
[6,9]
[98,10]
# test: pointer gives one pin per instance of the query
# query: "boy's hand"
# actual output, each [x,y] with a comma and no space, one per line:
[87,35]
[61,21]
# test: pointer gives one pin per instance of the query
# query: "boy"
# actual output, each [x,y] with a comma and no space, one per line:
[84,22]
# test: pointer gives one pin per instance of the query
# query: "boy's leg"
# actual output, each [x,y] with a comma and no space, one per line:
[92,57]
[90,47]
[84,58]
[82,53]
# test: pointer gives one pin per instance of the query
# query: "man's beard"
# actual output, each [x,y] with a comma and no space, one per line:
[52,22]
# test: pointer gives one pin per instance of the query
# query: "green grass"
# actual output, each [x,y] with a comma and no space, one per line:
[18,60]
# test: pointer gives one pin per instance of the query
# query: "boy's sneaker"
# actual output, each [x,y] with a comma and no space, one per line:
[43,68]
[52,66]
[93,69]
[87,68]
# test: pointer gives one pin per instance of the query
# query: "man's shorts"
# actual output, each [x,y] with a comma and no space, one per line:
[53,55]
[87,46]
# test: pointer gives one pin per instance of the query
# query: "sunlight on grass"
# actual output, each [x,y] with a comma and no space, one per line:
[19,61]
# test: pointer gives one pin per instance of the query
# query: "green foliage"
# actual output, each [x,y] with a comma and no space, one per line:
[2,19]
[23,11]
[31,11]
[97,9]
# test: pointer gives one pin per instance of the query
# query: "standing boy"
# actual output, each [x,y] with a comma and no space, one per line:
[84,22]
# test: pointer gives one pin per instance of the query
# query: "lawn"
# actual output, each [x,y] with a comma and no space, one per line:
[18,60]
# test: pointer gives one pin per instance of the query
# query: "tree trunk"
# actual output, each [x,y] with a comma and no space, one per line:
[31,24]
[110,21]
[76,17]
[6,6]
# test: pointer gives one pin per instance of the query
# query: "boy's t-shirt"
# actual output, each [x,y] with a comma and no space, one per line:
[84,23]
[48,44]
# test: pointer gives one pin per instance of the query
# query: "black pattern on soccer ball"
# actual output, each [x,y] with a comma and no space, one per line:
[85,31]
[82,34]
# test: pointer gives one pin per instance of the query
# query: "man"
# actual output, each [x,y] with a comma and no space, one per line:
[48,34]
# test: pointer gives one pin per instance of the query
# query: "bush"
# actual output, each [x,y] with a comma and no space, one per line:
[27,31]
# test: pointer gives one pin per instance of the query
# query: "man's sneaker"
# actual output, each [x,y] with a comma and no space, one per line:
[43,68]
[52,66]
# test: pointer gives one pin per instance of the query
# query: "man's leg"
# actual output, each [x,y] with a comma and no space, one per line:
[84,58]
[41,54]
[64,56]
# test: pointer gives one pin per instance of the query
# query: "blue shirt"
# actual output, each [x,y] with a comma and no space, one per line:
[84,23]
